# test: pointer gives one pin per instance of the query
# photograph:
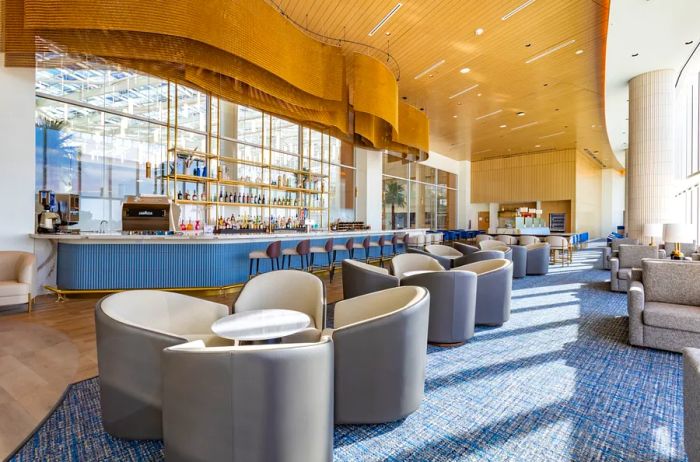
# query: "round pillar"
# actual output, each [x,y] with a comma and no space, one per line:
[650,173]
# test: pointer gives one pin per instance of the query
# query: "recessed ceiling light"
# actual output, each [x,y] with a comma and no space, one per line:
[489,114]
[593,126]
[524,126]
[430,69]
[551,50]
[385,19]
[387,33]
[517,9]
[528,45]
[578,52]
[520,114]
[689,42]
[459,103]
[463,91]
[479,31]
[478,94]
[538,145]
[634,55]
[464,70]
[454,116]
[503,126]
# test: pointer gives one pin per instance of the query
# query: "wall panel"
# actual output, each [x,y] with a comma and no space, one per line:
[545,176]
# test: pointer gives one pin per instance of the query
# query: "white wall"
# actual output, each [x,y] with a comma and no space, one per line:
[17,144]
[612,201]
[444,163]
[369,187]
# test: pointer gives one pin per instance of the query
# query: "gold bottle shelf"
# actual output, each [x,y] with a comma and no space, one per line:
[190,178]
[193,153]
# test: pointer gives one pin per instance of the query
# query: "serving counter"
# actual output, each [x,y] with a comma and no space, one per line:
[109,262]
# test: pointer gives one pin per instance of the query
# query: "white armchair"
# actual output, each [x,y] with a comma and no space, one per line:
[16,278]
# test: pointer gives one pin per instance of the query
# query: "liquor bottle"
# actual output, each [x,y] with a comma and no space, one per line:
[187,196]
[263,199]
[179,195]
[221,196]
[189,225]
[194,195]
[233,198]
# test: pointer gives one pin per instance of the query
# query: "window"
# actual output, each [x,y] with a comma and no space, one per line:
[428,195]
[98,125]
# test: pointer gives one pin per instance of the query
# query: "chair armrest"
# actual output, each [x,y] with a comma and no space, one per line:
[607,253]
[636,274]
[25,269]
[614,267]
[635,308]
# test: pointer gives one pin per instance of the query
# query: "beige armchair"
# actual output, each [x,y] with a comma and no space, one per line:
[16,278]
[286,289]
[410,263]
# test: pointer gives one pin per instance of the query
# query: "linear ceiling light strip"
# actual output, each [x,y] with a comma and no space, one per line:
[430,69]
[517,9]
[385,19]
[489,114]
[524,126]
[464,91]
[551,50]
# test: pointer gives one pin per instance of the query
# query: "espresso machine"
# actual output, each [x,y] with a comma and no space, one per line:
[48,220]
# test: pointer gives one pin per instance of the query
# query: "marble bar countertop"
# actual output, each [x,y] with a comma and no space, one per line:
[190,237]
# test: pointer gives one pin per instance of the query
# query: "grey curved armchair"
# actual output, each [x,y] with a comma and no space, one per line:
[466,249]
[445,252]
[445,262]
[380,355]
[248,403]
[132,329]
[493,288]
[497,245]
[482,255]
[452,304]
[519,255]
[407,263]
[361,278]
[285,289]
[537,258]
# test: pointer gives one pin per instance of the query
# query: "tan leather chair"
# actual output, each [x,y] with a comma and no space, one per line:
[16,278]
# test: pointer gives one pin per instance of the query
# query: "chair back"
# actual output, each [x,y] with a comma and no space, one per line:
[350,243]
[559,242]
[304,247]
[240,403]
[631,256]
[443,250]
[274,250]
[485,266]
[285,289]
[368,307]
[329,245]
[493,245]
[483,237]
[381,241]
[507,239]
[167,313]
[465,249]
[616,243]
[406,262]
[668,281]
[16,266]
[528,240]
[366,241]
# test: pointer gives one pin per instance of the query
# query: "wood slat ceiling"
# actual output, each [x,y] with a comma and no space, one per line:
[561,94]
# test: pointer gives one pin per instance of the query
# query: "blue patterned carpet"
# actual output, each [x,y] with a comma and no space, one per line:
[558,382]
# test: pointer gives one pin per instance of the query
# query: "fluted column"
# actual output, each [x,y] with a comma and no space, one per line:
[650,155]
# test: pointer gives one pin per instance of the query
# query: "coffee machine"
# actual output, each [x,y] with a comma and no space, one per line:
[48,220]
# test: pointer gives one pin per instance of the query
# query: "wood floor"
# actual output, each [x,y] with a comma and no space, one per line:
[42,352]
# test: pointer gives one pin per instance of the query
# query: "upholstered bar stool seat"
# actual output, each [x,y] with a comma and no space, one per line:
[272,252]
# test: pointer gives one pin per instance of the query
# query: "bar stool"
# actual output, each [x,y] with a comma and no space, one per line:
[382,243]
[272,252]
[365,244]
[328,250]
[301,250]
[397,239]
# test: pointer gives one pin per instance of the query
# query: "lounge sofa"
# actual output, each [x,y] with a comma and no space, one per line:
[626,266]
[664,307]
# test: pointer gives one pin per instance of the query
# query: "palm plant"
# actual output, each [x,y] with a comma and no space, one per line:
[394,195]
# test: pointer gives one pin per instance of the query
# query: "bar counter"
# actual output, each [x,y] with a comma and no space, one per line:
[107,262]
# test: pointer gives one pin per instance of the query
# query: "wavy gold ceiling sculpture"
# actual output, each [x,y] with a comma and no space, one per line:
[242,50]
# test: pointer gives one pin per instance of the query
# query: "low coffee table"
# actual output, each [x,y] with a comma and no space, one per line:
[260,325]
